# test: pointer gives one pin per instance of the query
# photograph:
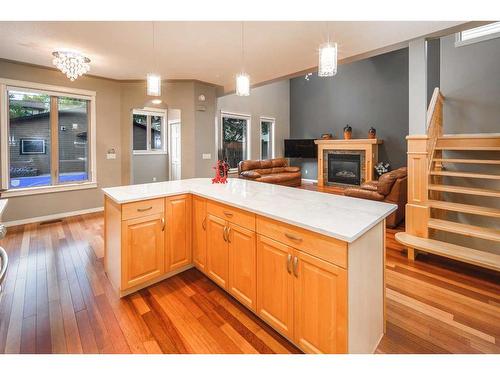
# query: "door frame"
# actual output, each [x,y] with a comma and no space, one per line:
[169,131]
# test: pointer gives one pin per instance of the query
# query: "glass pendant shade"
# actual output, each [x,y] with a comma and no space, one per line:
[327,66]
[242,84]
[73,64]
[154,85]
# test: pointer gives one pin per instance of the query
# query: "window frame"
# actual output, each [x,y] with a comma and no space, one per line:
[241,116]
[272,120]
[148,112]
[459,42]
[54,91]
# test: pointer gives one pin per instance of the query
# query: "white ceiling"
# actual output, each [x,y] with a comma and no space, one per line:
[206,51]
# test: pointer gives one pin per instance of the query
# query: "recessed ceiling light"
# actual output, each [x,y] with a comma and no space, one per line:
[156,101]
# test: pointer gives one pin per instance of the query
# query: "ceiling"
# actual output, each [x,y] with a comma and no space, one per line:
[205,51]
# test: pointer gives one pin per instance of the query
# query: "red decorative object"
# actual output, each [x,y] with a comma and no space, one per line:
[221,170]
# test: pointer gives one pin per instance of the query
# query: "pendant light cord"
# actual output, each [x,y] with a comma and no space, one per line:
[242,46]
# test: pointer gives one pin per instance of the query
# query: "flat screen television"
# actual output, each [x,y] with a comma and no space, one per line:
[300,148]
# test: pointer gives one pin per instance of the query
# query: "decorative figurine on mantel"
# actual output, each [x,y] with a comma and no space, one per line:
[327,136]
[221,171]
[347,132]
[372,133]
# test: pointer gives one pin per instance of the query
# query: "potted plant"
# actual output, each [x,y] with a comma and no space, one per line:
[347,132]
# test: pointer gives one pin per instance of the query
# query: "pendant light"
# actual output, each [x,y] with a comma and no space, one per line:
[327,65]
[242,79]
[153,79]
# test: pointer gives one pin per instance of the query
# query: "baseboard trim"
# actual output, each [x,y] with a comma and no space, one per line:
[309,181]
[60,215]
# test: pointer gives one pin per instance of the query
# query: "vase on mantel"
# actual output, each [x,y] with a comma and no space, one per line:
[372,133]
[347,132]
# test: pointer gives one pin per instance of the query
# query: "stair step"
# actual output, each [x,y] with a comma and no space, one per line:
[470,136]
[465,229]
[468,148]
[466,174]
[465,190]
[465,208]
[460,253]
[467,161]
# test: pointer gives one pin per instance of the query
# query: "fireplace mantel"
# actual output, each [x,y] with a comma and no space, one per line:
[370,146]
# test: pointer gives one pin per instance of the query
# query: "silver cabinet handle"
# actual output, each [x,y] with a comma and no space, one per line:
[145,209]
[204,224]
[289,263]
[292,237]
[296,266]
[228,214]
[162,224]
[228,235]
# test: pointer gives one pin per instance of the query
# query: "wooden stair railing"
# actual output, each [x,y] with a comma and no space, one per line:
[426,210]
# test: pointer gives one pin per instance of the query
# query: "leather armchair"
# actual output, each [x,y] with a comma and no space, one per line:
[391,187]
[272,171]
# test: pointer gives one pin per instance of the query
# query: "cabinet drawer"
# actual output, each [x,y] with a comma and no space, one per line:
[233,215]
[142,208]
[323,247]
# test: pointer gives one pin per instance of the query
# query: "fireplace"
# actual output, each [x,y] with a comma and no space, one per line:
[344,169]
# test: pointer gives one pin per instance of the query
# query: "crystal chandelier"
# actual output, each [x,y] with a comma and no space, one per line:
[242,79]
[327,66]
[73,64]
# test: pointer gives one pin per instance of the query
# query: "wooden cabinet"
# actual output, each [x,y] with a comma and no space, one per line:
[275,284]
[143,254]
[199,232]
[178,234]
[217,250]
[242,281]
[320,300]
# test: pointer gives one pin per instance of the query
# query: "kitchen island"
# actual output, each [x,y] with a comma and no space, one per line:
[310,264]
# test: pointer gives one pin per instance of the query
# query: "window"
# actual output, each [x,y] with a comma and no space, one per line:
[478,34]
[235,144]
[266,138]
[47,138]
[149,134]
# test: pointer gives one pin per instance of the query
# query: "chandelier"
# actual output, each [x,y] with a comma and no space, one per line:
[73,64]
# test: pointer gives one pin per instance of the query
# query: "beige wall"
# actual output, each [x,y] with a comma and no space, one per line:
[272,100]
[114,103]
[108,132]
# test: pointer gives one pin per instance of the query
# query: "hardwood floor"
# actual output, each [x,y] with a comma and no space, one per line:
[57,299]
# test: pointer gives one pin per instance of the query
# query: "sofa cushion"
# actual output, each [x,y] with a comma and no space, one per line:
[251,174]
[362,193]
[279,177]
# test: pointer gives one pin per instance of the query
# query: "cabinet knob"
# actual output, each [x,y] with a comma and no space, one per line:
[162,224]
[289,263]
[228,214]
[224,234]
[204,224]
[293,237]
[228,234]
[145,209]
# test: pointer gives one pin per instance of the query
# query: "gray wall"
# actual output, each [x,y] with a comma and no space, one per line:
[204,116]
[433,67]
[371,92]
[470,81]
[272,100]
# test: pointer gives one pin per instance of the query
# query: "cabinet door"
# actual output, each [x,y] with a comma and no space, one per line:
[242,281]
[217,251]
[178,234]
[199,233]
[142,249]
[320,305]
[275,285]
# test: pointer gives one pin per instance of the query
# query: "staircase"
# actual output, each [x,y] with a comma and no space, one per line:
[428,210]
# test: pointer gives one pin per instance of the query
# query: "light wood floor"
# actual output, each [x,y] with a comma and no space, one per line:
[58,300]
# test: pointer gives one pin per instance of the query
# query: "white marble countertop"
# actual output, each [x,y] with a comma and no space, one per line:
[333,215]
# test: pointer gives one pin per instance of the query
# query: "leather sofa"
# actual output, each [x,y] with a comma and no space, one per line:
[391,187]
[272,171]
